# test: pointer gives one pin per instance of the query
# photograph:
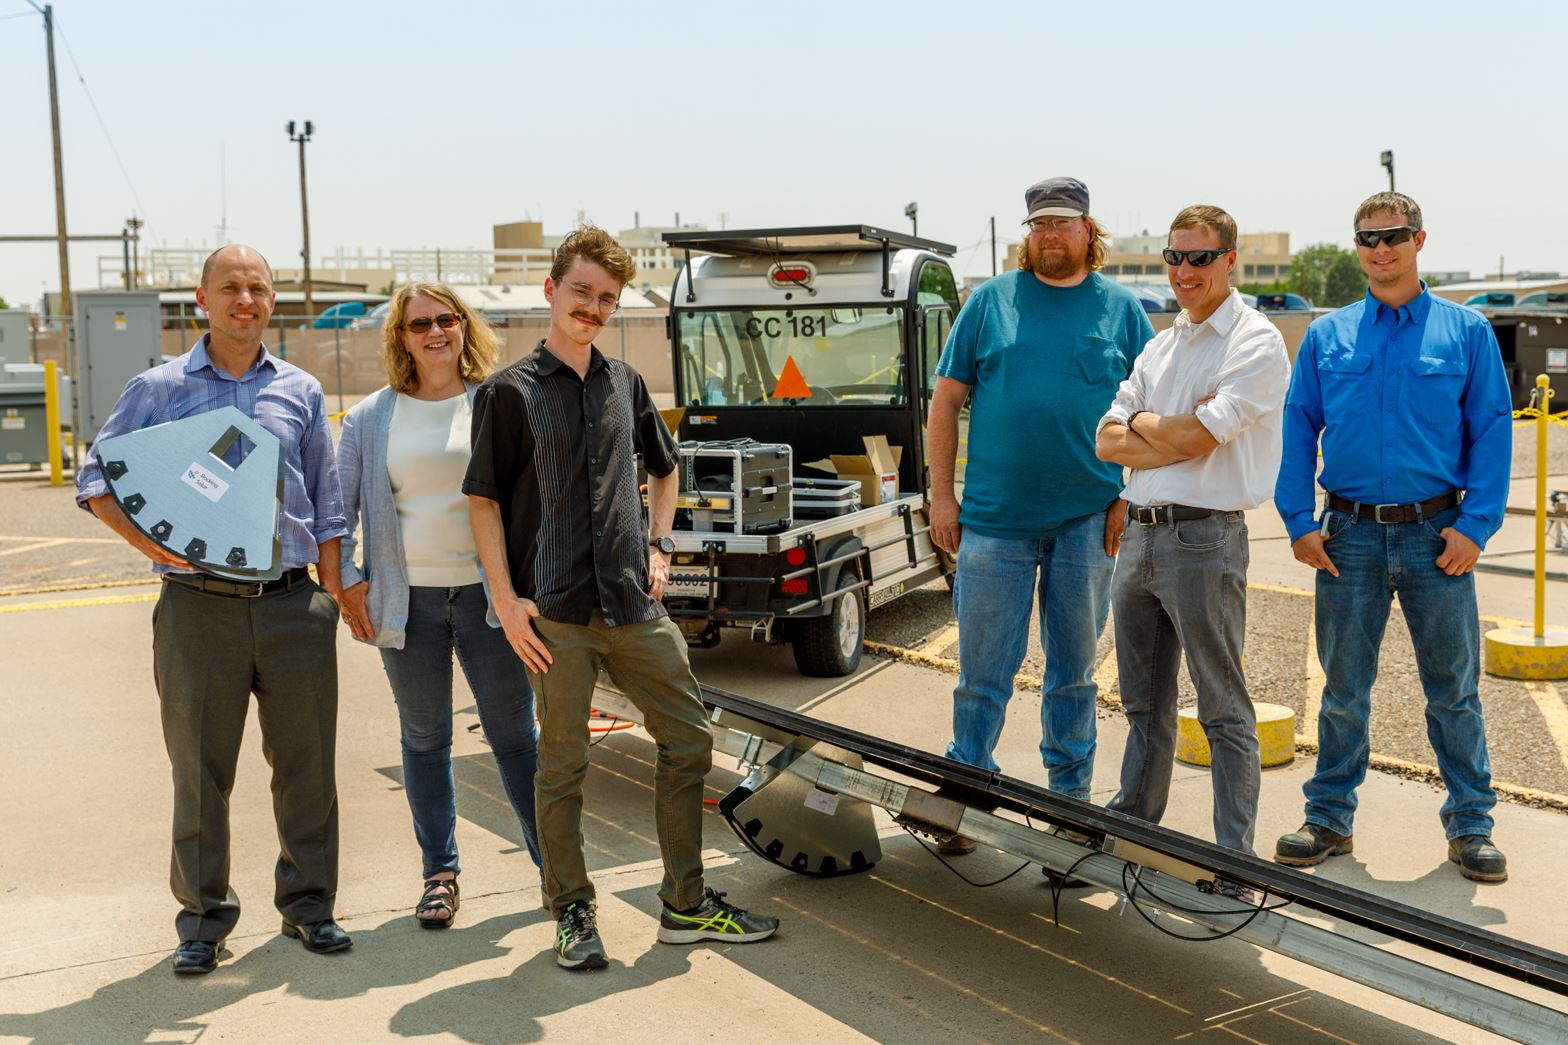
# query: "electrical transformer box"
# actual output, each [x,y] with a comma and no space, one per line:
[117,334]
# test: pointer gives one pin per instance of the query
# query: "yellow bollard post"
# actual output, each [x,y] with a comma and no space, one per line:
[52,420]
[1538,653]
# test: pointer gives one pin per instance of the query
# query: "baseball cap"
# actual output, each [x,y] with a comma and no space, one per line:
[1056,197]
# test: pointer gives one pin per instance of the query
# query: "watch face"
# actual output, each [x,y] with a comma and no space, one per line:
[664,544]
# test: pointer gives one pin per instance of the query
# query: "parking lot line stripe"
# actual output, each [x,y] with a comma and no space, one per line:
[1314,692]
[36,545]
[62,540]
[69,604]
[1550,703]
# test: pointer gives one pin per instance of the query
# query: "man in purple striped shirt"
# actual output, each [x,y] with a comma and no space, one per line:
[216,641]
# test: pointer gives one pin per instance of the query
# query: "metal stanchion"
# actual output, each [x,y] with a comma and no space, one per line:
[52,420]
[1538,652]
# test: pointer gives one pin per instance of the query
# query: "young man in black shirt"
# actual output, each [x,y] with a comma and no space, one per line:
[576,582]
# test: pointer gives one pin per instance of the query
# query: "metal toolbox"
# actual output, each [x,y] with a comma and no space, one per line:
[735,486]
[825,498]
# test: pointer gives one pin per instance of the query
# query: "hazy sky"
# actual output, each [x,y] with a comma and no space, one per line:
[435,121]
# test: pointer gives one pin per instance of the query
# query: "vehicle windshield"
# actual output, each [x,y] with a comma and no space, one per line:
[834,355]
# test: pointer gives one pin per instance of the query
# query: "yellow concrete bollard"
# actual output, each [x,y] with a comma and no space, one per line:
[1276,736]
[1539,652]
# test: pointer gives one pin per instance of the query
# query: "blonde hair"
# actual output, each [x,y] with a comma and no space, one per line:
[479,352]
[1206,216]
[1094,261]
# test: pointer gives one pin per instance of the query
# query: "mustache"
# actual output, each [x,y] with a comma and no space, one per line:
[588,317]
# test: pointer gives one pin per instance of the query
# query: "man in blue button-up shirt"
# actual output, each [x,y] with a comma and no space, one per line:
[1409,395]
[215,642]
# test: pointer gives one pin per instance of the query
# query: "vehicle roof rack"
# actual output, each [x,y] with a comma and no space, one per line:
[811,239]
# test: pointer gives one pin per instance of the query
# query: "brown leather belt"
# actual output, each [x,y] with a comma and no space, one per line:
[1394,513]
[1157,514]
[239,589]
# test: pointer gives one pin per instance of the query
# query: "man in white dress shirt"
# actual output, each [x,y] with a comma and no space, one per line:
[1198,424]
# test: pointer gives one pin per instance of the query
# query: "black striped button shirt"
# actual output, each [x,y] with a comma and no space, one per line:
[558,453]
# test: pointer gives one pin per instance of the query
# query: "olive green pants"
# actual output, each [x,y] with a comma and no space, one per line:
[648,662]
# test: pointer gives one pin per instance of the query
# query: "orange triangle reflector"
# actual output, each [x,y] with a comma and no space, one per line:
[792,385]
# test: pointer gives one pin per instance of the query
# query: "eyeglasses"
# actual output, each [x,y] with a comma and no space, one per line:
[1394,236]
[609,304]
[1197,258]
[1054,224]
[422,325]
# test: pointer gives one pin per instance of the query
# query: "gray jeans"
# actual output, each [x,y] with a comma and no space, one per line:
[1182,588]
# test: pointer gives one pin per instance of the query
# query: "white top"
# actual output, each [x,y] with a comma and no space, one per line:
[427,456]
[1240,356]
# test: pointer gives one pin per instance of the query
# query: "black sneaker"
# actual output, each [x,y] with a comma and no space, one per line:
[577,944]
[1478,859]
[713,919]
[1311,845]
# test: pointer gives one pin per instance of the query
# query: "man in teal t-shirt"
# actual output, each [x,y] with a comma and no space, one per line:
[1042,350]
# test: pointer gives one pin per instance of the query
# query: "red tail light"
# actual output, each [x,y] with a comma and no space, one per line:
[798,586]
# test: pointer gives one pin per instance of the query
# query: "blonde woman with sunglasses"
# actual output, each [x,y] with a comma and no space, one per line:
[419,593]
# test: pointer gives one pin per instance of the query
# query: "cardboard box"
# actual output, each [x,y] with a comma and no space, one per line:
[876,470]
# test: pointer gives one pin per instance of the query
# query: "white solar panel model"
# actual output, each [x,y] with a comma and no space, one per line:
[209,488]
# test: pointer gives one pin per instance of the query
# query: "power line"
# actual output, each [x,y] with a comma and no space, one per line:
[93,103]
[19,14]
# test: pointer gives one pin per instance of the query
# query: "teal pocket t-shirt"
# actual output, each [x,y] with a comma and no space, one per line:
[1044,363]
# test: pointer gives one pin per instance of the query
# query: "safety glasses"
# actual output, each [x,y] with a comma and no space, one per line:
[422,325]
[1370,238]
[1197,258]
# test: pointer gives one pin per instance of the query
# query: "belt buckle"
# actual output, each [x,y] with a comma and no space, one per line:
[1377,513]
[256,590]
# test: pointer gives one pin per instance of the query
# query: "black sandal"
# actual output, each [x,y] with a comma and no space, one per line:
[433,899]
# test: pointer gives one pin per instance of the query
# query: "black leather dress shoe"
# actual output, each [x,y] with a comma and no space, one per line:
[320,937]
[193,957]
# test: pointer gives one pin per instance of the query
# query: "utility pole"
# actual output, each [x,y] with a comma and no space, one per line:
[135,225]
[911,211]
[59,170]
[1387,159]
[304,213]
[993,245]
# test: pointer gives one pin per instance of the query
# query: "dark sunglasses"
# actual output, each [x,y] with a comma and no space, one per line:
[1370,238]
[422,325]
[1198,258]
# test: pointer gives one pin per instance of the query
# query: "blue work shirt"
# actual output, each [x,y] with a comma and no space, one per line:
[280,397]
[1044,364]
[1412,403]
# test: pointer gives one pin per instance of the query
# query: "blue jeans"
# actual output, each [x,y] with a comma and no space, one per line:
[1375,562]
[991,597]
[441,620]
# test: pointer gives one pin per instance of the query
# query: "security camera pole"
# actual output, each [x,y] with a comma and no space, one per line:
[1387,159]
[910,210]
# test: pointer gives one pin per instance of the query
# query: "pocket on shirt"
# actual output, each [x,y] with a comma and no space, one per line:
[1099,360]
[1426,365]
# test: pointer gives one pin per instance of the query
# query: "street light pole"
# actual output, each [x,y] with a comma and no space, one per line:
[911,211]
[135,225]
[304,213]
[1387,159]
[59,170]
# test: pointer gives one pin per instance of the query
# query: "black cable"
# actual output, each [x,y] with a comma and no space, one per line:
[605,732]
[960,874]
[1137,883]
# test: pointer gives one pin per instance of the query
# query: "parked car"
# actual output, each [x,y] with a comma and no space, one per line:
[1491,299]
[1544,299]
[375,319]
[1155,297]
[340,316]
[1283,303]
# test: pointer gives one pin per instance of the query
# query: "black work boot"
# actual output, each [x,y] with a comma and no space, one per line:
[1310,845]
[1478,859]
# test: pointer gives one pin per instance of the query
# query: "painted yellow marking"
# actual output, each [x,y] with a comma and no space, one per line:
[1312,701]
[1105,678]
[940,641]
[71,604]
[952,985]
[47,543]
[1282,1014]
[1075,963]
[1550,704]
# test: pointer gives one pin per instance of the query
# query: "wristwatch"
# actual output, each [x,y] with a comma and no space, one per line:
[664,544]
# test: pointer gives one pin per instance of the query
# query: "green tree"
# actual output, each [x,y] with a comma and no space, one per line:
[1329,275]
[3,304]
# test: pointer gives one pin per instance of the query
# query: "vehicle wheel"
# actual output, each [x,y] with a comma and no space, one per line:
[829,647]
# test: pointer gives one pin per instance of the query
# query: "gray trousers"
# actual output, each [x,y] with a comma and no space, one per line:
[210,653]
[1182,588]
[648,662]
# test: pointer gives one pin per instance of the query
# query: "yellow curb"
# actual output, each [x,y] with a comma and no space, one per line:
[68,604]
[1276,736]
